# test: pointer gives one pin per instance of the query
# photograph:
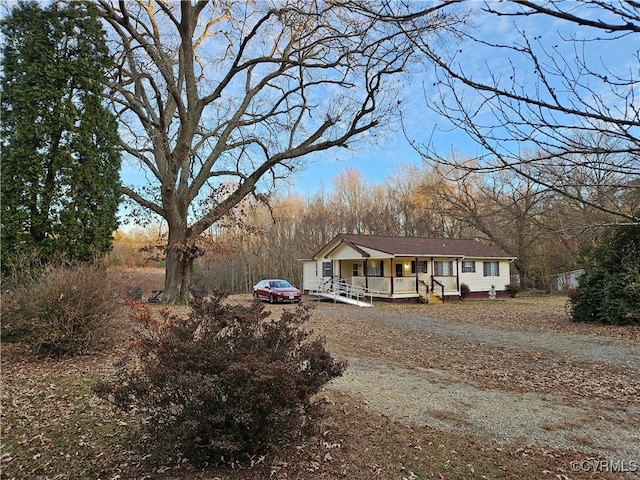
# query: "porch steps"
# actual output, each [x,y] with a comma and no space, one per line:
[434,298]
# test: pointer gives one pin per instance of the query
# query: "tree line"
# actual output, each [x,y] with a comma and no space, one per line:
[546,232]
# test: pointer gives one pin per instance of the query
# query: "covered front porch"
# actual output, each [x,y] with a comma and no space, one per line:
[409,287]
[409,279]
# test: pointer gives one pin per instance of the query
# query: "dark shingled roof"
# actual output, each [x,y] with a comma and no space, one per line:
[424,247]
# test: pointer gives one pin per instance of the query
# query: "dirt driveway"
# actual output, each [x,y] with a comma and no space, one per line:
[511,370]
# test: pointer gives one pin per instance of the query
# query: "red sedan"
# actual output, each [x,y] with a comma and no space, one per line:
[276,290]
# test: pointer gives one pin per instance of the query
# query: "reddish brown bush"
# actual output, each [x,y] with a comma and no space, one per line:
[512,290]
[224,381]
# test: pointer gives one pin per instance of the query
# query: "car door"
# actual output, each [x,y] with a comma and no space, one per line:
[259,290]
[264,290]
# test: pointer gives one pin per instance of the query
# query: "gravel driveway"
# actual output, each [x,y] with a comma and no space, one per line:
[534,386]
[581,347]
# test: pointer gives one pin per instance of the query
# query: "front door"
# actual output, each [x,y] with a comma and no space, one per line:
[398,269]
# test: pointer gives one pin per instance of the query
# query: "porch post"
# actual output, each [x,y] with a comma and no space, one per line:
[417,285]
[432,273]
[457,275]
[391,274]
[366,273]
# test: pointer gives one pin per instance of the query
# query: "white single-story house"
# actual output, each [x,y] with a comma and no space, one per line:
[409,268]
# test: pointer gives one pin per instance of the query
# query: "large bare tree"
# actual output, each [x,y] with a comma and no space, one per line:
[243,90]
[542,102]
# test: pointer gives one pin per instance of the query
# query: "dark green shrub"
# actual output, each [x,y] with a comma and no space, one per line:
[223,382]
[464,291]
[62,310]
[512,290]
[609,290]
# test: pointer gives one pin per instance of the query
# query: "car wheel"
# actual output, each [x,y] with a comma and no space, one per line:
[255,296]
[271,299]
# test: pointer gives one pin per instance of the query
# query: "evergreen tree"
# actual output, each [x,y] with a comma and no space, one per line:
[60,165]
[609,290]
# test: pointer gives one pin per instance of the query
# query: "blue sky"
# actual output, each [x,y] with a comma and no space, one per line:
[378,159]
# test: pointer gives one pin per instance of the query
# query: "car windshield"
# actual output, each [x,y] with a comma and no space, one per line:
[280,284]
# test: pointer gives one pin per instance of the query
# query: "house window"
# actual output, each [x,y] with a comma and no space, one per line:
[327,269]
[468,267]
[443,269]
[491,269]
[374,268]
[419,267]
[356,270]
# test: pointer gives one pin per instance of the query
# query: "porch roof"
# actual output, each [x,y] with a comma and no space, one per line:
[416,246]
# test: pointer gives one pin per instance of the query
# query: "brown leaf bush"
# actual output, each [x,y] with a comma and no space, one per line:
[63,309]
[223,382]
[512,289]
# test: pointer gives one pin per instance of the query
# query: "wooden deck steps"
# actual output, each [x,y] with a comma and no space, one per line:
[433,298]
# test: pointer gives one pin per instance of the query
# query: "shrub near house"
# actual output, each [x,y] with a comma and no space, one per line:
[512,290]
[609,290]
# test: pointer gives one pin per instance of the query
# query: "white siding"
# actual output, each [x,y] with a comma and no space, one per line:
[477,282]
[374,253]
[309,278]
[344,252]
[312,272]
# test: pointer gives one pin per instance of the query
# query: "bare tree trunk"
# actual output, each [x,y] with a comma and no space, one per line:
[182,250]
[177,281]
[179,266]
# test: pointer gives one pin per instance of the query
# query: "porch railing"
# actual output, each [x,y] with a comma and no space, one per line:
[404,285]
[435,283]
[450,283]
[379,284]
[383,284]
[342,287]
